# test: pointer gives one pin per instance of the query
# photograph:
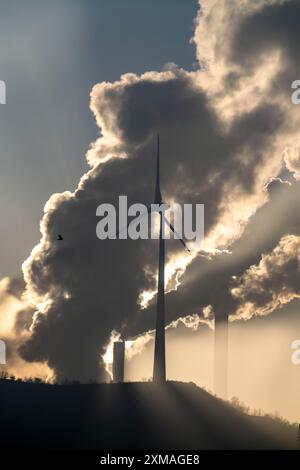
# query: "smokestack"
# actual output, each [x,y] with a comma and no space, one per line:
[221,356]
[2,352]
[118,361]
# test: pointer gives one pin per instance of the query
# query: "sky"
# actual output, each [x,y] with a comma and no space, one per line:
[89,86]
[51,55]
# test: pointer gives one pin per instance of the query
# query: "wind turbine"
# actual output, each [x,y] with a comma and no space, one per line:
[159,368]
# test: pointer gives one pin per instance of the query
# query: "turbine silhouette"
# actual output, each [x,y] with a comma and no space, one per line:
[159,367]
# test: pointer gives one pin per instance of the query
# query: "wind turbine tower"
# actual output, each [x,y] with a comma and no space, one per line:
[159,367]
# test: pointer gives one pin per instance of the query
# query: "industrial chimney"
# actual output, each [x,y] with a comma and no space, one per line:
[118,361]
[221,355]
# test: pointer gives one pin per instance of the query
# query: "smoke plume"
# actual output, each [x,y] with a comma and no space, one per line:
[224,128]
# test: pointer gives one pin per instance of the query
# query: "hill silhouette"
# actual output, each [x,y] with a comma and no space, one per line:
[130,416]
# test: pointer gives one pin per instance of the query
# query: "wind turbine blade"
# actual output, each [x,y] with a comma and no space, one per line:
[177,235]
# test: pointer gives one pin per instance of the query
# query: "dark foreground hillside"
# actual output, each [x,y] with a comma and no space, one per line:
[130,416]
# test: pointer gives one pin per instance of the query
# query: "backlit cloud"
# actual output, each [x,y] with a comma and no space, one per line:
[223,128]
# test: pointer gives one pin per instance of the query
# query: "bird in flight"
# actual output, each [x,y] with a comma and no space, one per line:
[59,237]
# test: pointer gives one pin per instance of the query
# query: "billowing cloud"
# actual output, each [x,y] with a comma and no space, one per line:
[272,283]
[15,320]
[223,132]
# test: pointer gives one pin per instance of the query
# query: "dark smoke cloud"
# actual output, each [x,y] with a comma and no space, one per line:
[213,152]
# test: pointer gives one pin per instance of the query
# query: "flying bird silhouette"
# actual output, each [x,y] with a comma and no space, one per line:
[59,237]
